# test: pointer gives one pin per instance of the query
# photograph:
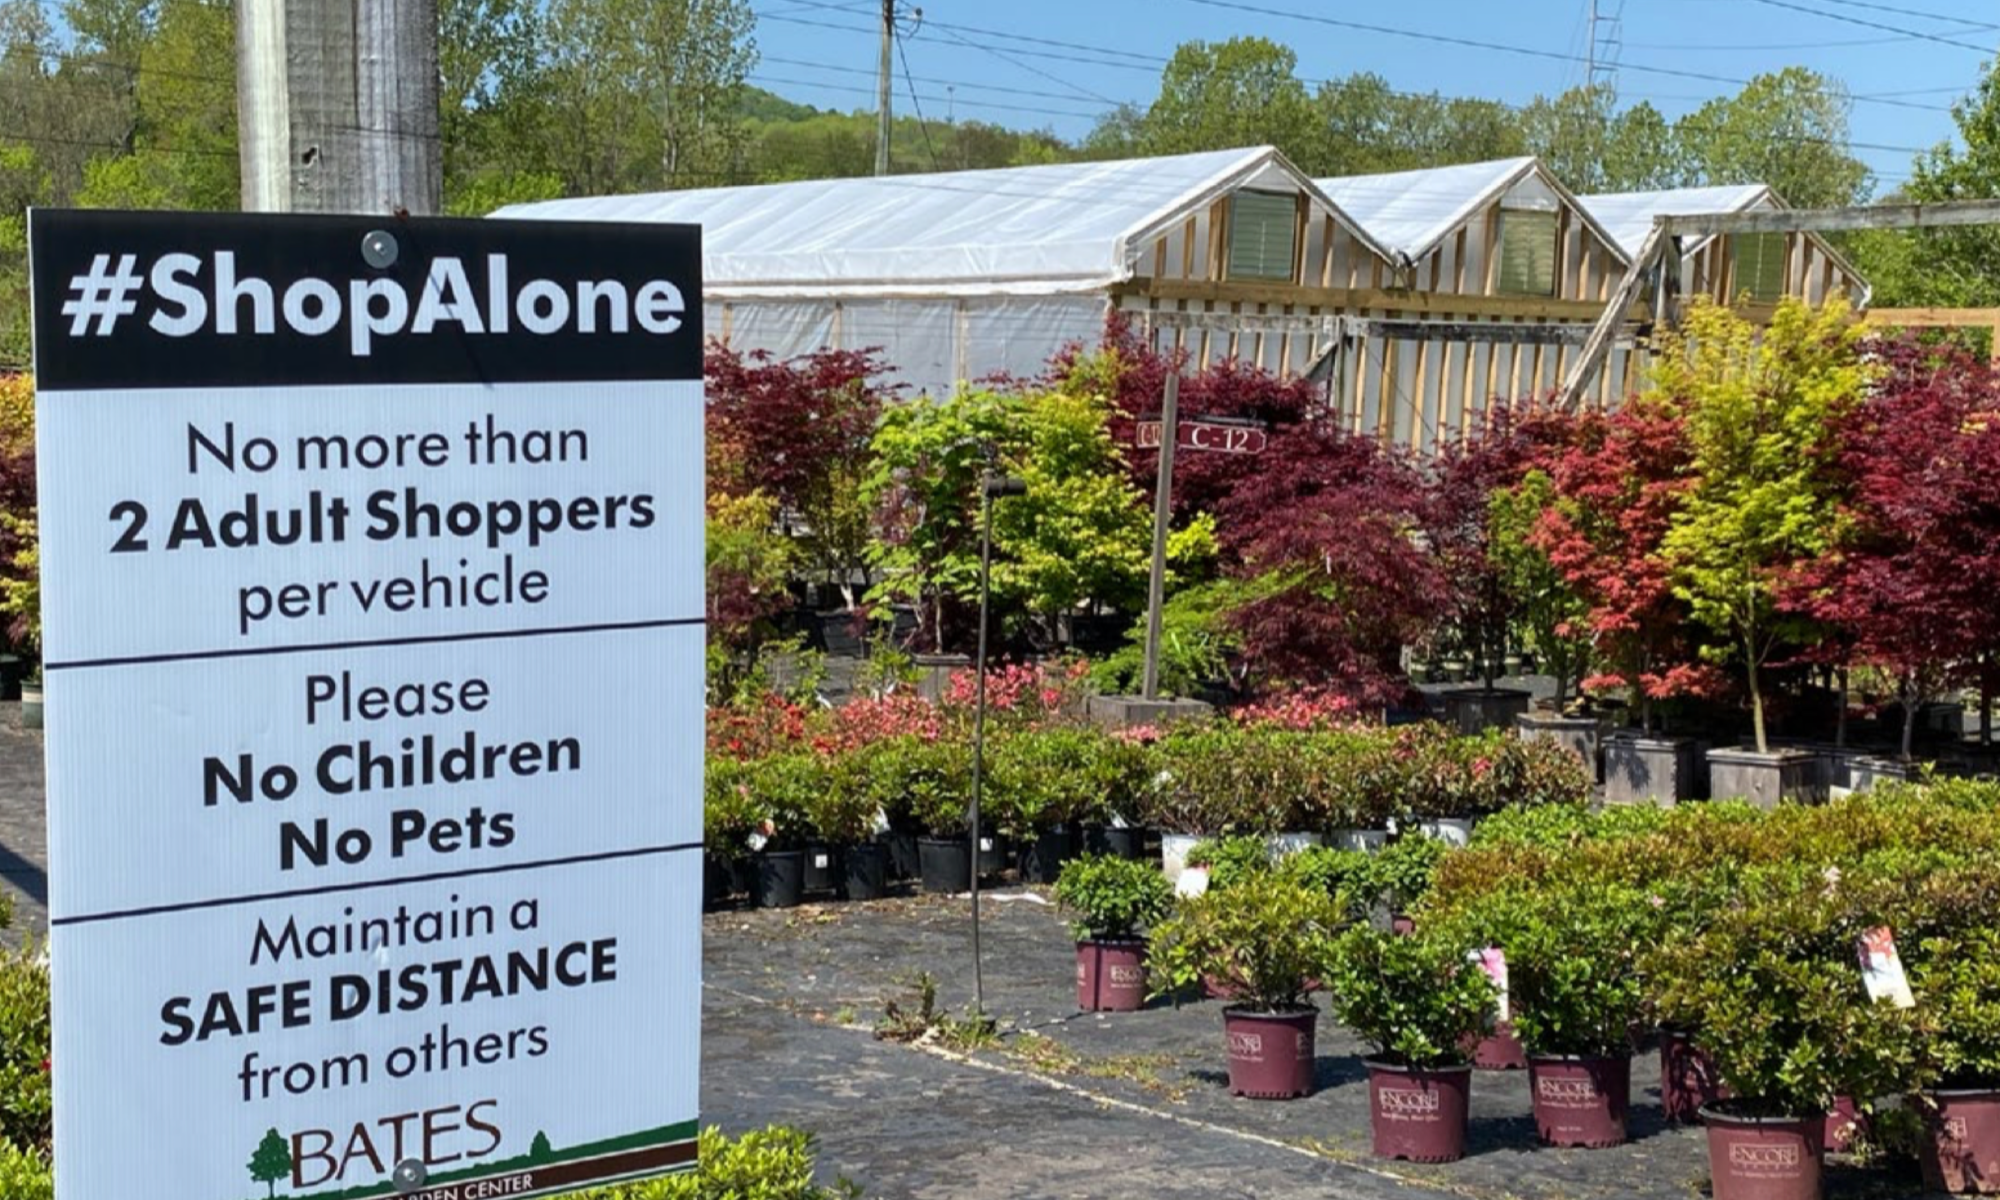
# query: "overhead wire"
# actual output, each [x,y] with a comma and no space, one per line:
[918,105]
[1877,25]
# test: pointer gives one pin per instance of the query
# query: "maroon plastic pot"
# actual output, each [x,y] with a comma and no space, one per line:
[1763,1158]
[1688,1081]
[1270,1054]
[1111,975]
[1962,1153]
[1844,1124]
[1418,1113]
[1500,1050]
[1580,1101]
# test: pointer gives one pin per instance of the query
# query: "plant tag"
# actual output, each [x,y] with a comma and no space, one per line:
[1882,969]
[1193,882]
[986,845]
[1493,961]
[881,824]
[822,862]
[1118,822]
[756,841]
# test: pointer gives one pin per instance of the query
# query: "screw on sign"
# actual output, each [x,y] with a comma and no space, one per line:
[1206,433]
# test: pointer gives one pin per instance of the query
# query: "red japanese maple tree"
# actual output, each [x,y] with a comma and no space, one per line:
[1911,585]
[1618,483]
[798,431]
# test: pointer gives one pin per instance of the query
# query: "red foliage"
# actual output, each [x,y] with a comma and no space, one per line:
[1463,477]
[1336,515]
[789,424]
[1911,588]
[755,730]
[1311,708]
[1224,389]
[1619,483]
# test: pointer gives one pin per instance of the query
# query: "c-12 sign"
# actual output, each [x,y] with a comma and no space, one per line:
[373,631]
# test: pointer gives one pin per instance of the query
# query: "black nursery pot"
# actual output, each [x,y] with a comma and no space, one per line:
[780,878]
[822,867]
[1129,842]
[992,855]
[945,864]
[865,871]
[714,881]
[902,851]
[1046,855]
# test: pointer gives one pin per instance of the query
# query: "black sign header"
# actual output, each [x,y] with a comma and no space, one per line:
[136,300]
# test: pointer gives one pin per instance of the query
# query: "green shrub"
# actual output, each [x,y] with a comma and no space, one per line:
[1573,979]
[767,1164]
[730,814]
[1771,990]
[1401,872]
[1200,788]
[25,1174]
[842,811]
[1062,775]
[1230,860]
[921,785]
[1416,998]
[24,1049]
[1347,876]
[1113,897]
[1266,938]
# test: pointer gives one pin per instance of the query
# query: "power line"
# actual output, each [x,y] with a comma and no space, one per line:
[1911,12]
[1503,48]
[1867,24]
[915,103]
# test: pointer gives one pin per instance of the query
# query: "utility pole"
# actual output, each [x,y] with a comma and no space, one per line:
[882,81]
[337,106]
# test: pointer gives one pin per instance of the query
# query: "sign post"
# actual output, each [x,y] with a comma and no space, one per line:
[1163,511]
[373,624]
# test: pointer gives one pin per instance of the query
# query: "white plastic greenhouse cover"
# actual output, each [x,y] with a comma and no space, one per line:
[1629,215]
[1408,211]
[1039,230]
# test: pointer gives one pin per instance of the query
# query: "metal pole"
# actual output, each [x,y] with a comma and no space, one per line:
[979,728]
[882,81]
[1163,503]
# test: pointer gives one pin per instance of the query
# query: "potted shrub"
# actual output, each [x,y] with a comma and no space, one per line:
[1955,969]
[31,700]
[1575,996]
[1199,789]
[1789,1028]
[843,812]
[782,786]
[1125,772]
[1265,938]
[934,782]
[1420,1003]
[1401,873]
[1044,785]
[1365,784]
[729,819]
[1115,901]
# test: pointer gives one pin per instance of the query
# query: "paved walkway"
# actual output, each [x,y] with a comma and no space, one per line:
[24,840]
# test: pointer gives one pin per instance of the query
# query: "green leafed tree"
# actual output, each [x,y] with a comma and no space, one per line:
[1759,410]
[1222,95]
[1787,129]
[271,1162]
[928,456]
[1549,611]
[1082,531]
[1953,268]
[539,1150]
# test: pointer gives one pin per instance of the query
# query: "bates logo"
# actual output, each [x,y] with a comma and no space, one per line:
[1246,1045]
[1955,1130]
[1128,977]
[1764,1160]
[1082,973]
[1402,1104]
[1566,1093]
[368,1151]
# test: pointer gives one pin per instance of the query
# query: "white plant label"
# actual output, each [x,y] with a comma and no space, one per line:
[373,604]
[1882,969]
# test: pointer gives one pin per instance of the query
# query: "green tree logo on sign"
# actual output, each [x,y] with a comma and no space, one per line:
[271,1162]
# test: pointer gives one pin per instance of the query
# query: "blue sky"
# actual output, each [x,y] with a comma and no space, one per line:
[1904,60]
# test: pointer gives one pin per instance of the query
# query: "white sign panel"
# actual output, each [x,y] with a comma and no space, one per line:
[372,601]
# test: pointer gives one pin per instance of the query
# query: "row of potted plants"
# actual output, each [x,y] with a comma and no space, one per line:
[850,818]
[1800,963]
